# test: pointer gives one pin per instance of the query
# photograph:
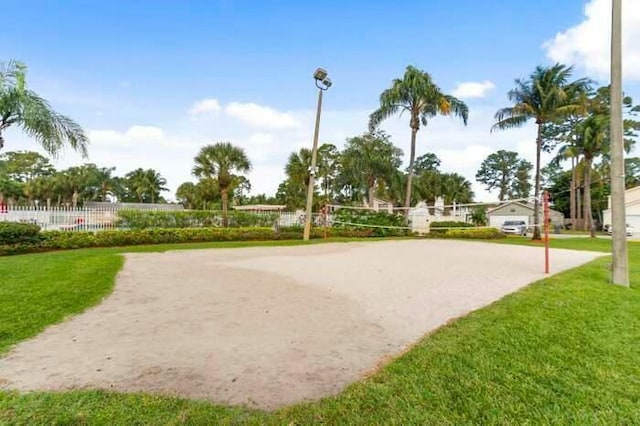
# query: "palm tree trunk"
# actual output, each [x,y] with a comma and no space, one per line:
[225,202]
[74,199]
[536,206]
[371,190]
[572,194]
[407,199]
[588,214]
[579,223]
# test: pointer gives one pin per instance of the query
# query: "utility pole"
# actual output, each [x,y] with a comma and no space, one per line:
[620,267]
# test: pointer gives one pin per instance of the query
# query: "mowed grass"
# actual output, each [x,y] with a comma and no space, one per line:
[565,350]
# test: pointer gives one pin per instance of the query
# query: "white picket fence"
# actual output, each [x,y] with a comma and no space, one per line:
[96,219]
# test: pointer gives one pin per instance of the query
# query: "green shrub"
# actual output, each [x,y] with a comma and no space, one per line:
[17,233]
[58,240]
[441,228]
[472,234]
[143,219]
[348,218]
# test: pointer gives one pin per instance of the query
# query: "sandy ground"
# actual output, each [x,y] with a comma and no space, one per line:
[265,327]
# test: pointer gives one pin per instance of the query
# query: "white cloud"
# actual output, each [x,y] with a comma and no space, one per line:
[259,116]
[132,134]
[588,44]
[261,138]
[144,132]
[205,106]
[473,89]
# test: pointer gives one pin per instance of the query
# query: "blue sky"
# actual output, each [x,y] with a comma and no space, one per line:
[134,73]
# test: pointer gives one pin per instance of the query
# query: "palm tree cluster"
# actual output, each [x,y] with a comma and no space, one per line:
[583,138]
[28,178]
[367,168]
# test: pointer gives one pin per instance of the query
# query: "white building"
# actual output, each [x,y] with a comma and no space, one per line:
[632,207]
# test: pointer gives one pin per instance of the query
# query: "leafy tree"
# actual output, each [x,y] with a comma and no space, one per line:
[422,99]
[23,166]
[505,171]
[291,195]
[23,108]
[544,97]
[426,162]
[187,195]
[632,172]
[479,216]
[368,161]
[222,162]
[328,165]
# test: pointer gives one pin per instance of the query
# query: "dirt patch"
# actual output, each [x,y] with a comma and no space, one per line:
[269,326]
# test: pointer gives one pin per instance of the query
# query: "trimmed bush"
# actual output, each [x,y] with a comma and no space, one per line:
[18,233]
[367,217]
[59,240]
[471,234]
[436,227]
[142,219]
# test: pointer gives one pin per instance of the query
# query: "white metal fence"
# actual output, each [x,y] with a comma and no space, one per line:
[96,219]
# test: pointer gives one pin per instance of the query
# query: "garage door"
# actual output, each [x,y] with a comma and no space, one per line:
[497,221]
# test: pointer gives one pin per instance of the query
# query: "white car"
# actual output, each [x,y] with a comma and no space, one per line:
[630,230]
[516,227]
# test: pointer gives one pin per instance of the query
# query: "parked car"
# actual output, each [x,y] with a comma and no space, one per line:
[516,227]
[630,230]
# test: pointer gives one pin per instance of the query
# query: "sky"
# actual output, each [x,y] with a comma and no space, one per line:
[152,81]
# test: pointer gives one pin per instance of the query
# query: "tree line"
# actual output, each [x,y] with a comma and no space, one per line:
[570,115]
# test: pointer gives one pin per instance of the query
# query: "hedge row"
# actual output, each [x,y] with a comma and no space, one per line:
[468,234]
[58,240]
[143,219]
[17,233]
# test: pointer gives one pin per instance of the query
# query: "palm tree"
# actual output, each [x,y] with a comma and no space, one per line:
[23,108]
[417,94]
[146,185]
[371,158]
[455,188]
[545,96]
[154,184]
[221,161]
[297,167]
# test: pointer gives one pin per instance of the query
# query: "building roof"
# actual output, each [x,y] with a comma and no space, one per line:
[528,206]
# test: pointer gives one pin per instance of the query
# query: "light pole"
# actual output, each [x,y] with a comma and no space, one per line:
[620,269]
[323,82]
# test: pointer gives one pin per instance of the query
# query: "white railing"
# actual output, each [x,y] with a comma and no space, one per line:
[62,218]
[96,219]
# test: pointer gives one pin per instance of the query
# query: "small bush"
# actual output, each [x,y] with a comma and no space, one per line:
[18,233]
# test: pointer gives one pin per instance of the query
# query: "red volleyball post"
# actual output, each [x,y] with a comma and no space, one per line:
[546,231]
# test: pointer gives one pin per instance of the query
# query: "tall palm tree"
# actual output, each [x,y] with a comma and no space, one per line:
[545,96]
[417,94]
[222,161]
[23,108]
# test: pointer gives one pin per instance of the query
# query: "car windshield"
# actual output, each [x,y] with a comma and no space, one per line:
[512,222]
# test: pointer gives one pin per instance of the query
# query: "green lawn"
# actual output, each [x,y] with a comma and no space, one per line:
[564,350]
